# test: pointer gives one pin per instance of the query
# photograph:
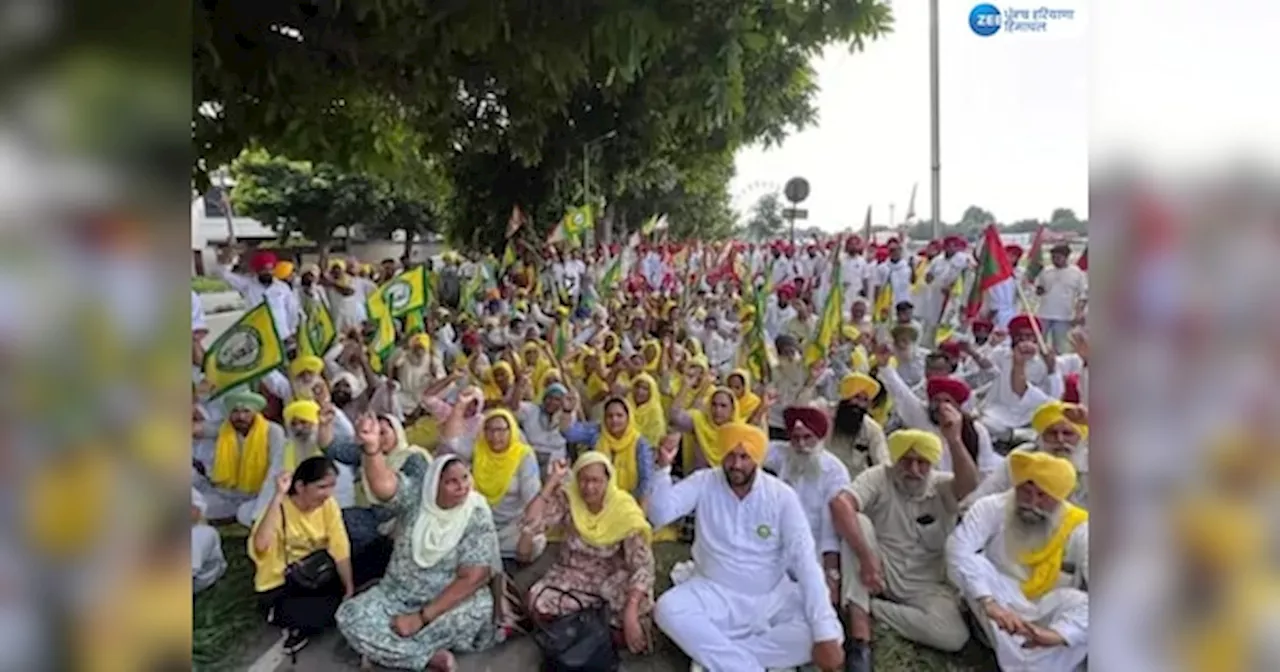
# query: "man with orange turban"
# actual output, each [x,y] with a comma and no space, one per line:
[1021,560]
[741,610]
[894,520]
[1062,430]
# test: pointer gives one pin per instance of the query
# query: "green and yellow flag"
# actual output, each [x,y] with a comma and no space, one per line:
[832,315]
[406,292]
[317,332]
[245,352]
[384,339]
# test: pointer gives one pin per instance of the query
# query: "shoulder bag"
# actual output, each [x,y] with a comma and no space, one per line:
[581,641]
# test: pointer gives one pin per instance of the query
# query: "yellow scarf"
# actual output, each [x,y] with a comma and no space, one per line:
[489,381]
[649,417]
[1045,564]
[652,352]
[749,401]
[242,468]
[619,518]
[493,470]
[707,432]
[542,382]
[621,451]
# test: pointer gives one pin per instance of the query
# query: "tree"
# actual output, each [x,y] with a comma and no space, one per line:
[766,220]
[312,200]
[974,220]
[1064,219]
[384,85]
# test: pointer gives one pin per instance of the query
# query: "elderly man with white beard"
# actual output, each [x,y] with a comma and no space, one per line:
[894,520]
[303,440]
[1021,559]
[817,476]
[1062,429]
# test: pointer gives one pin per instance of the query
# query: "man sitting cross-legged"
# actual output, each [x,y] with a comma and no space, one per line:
[740,611]
[894,520]
[1021,558]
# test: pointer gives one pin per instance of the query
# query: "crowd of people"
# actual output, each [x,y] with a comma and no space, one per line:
[919,465]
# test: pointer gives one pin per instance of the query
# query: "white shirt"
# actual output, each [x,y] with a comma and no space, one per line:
[898,276]
[915,414]
[853,271]
[815,493]
[279,296]
[197,314]
[1063,288]
[748,545]
[1004,407]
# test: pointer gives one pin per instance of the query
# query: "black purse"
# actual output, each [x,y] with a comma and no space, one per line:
[314,571]
[578,642]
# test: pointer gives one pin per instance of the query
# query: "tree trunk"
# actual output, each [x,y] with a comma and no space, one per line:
[324,255]
[410,235]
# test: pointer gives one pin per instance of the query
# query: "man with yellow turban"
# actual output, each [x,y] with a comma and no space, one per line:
[1021,560]
[1062,430]
[894,520]
[232,454]
[857,440]
[302,424]
[741,610]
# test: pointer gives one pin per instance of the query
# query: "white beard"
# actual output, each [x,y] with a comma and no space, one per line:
[802,467]
[1022,537]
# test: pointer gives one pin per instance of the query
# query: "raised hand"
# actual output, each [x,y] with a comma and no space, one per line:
[556,471]
[367,430]
[284,479]
[949,419]
[668,449]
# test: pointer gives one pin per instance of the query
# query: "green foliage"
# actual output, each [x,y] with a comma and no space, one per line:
[766,220]
[976,218]
[509,95]
[299,197]
[205,285]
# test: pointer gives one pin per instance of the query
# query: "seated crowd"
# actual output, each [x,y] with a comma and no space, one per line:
[870,485]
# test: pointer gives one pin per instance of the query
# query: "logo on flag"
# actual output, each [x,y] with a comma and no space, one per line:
[244,352]
[399,294]
[240,350]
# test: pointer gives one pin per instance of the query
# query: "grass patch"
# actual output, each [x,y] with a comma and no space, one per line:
[225,616]
[201,284]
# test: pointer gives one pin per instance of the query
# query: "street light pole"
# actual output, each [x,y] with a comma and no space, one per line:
[935,131]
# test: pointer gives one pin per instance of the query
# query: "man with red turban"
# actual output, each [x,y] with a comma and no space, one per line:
[817,477]
[1020,362]
[741,609]
[263,287]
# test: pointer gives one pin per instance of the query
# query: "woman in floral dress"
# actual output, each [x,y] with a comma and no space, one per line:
[606,552]
[435,597]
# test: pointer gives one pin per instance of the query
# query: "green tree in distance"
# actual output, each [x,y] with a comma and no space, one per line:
[312,200]
[766,220]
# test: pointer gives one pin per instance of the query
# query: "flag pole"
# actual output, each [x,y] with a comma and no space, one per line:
[1035,326]
[934,126]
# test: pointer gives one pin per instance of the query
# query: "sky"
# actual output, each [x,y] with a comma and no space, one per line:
[1014,124]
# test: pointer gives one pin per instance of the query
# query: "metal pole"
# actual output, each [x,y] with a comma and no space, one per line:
[791,218]
[935,132]
[586,174]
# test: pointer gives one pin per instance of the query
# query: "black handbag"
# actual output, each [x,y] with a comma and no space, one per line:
[581,641]
[314,571]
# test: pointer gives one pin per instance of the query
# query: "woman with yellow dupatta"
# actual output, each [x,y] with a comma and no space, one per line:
[618,439]
[702,423]
[505,471]
[607,549]
[750,405]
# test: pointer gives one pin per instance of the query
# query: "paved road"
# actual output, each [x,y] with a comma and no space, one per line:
[330,652]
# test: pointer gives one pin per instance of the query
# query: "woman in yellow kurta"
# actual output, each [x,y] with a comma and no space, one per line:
[302,518]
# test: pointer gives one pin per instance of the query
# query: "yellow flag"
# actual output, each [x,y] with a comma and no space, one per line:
[385,337]
[317,332]
[245,352]
[406,292]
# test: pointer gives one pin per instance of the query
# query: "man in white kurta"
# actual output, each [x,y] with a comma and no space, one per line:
[894,520]
[742,611]
[1021,559]
[816,475]
[1026,378]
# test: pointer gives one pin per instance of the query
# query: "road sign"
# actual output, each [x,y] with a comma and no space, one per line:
[795,213]
[796,189]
